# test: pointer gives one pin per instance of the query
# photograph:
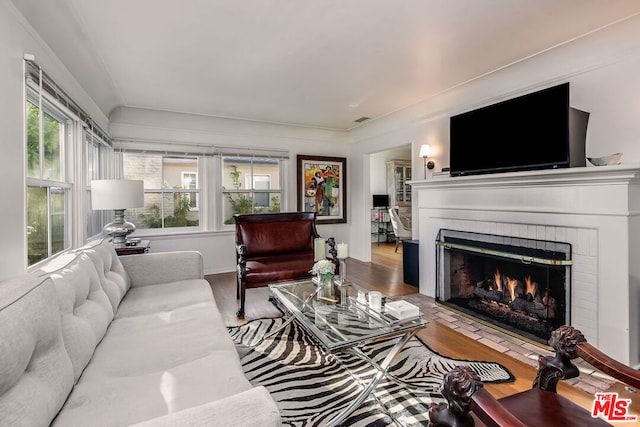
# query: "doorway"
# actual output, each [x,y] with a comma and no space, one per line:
[389,171]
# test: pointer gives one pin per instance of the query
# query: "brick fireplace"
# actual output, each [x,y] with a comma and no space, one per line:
[595,210]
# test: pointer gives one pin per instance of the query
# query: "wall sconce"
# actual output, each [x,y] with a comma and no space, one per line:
[117,194]
[425,152]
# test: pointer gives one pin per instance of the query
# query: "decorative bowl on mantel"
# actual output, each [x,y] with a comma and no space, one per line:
[612,159]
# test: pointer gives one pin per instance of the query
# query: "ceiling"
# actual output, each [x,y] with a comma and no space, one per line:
[316,63]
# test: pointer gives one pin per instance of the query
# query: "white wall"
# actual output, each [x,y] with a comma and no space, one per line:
[378,175]
[161,126]
[16,39]
[602,69]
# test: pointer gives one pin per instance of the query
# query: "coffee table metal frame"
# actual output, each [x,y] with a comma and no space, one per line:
[342,326]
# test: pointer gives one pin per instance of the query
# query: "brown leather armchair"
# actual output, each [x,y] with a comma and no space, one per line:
[273,247]
[540,406]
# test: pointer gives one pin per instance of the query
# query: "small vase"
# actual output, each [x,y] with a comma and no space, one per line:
[326,279]
[325,283]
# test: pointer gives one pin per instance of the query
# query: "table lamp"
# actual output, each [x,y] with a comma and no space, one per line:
[117,194]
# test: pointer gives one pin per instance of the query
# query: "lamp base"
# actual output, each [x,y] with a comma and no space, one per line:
[119,229]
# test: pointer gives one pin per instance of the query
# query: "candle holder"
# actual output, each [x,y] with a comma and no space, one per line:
[343,269]
[342,254]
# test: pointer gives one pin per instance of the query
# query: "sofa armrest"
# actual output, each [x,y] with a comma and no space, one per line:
[163,267]
[253,407]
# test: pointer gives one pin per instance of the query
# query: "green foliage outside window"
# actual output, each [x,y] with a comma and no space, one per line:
[243,203]
[179,219]
[51,142]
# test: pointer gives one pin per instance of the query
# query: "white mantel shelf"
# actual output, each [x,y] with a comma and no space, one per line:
[582,175]
[595,209]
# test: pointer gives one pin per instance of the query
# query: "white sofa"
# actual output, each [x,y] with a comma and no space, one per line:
[93,339]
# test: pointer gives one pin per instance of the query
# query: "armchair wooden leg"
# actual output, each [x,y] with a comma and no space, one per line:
[243,291]
[238,287]
[397,243]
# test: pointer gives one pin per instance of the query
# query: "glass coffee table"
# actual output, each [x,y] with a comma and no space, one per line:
[340,319]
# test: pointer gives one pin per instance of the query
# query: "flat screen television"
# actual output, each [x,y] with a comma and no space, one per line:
[380,200]
[534,131]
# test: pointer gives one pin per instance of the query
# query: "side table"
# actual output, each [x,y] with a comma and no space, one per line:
[140,247]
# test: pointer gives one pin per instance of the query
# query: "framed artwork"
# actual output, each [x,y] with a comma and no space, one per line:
[322,187]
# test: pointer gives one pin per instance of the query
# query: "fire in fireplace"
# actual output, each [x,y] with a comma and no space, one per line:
[521,285]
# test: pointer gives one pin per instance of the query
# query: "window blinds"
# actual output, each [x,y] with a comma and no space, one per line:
[170,148]
[38,80]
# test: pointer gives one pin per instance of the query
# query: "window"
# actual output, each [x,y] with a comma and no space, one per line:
[190,182]
[48,188]
[260,182]
[64,146]
[170,186]
[199,187]
[250,185]
[96,162]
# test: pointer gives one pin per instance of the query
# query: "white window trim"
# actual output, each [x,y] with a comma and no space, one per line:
[196,190]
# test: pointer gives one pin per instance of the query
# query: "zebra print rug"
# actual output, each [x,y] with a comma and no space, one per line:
[311,385]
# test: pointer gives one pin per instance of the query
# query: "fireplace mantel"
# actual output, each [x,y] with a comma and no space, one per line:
[595,209]
[619,174]
[597,190]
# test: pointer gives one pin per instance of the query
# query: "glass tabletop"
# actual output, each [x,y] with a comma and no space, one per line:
[336,316]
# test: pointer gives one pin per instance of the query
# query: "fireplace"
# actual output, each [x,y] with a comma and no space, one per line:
[518,285]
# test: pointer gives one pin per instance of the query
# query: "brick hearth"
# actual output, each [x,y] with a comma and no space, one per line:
[590,379]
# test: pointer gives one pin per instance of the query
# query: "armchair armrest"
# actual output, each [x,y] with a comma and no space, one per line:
[491,412]
[163,267]
[609,366]
[465,392]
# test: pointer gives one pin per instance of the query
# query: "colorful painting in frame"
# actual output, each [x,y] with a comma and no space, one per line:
[322,187]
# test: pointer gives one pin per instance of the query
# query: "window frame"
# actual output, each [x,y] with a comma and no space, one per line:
[252,159]
[210,179]
[100,170]
[47,106]
[196,203]
[162,191]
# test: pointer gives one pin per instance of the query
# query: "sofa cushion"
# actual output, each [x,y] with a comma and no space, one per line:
[85,308]
[113,277]
[277,268]
[36,374]
[276,237]
[124,400]
[164,352]
[163,297]
[158,341]
[256,406]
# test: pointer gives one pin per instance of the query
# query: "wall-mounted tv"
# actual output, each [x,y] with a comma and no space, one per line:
[534,131]
[380,200]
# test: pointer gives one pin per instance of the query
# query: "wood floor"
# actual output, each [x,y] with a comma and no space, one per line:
[384,274]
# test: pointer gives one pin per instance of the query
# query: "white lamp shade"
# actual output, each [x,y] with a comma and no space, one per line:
[425,150]
[117,194]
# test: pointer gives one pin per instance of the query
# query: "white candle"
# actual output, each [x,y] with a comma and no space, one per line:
[319,249]
[343,250]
